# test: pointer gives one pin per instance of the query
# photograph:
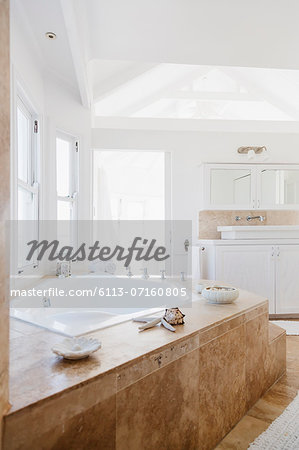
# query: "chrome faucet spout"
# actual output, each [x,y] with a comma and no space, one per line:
[260,218]
[129,273]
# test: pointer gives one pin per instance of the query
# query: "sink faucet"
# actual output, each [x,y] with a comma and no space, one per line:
[260,218]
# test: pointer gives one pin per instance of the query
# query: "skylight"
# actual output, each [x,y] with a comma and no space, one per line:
[202,92]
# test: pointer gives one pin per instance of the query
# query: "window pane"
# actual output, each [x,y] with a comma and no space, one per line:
[63,150]
[27,205]
[64,210]
[66,226]
[27,231]
[23,130]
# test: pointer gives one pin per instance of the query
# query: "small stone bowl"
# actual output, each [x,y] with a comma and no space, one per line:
[220,294]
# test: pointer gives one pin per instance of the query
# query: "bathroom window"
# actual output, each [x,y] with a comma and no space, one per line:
[27,198]
[67,148]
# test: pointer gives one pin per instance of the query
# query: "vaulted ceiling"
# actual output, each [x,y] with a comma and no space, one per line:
[195,59]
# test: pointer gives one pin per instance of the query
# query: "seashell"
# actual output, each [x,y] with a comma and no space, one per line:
[150,324]
[76,348]
[167,325]
[174,316]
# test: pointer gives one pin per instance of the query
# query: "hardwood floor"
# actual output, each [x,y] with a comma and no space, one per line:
[270,406]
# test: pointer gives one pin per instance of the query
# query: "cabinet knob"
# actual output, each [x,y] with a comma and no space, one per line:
[203,249]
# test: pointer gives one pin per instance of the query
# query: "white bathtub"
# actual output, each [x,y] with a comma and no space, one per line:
[74,316]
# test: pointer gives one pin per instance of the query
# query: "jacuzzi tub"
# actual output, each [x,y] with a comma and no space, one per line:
[74,316]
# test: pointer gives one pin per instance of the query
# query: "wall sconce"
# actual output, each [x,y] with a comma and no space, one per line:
[252,152]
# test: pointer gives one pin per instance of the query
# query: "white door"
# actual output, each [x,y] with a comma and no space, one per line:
[287,279]
[249,267]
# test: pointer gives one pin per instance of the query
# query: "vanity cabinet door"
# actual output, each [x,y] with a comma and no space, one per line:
[287,279]
[249,267]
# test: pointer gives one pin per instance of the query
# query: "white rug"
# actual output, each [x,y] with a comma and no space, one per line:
[283,433]
[291,327]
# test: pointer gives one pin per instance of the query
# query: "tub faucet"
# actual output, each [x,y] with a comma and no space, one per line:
[145,274]
[260,218]
[64,269]
[163,277]
[129,273]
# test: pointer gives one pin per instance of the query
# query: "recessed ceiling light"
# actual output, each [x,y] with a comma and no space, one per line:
[50,35]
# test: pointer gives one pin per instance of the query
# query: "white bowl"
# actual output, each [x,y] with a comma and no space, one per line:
[200,285]
[199,288]
[76,348]
[220,294]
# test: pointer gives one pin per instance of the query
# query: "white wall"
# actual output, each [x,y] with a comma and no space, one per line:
[59,107]
[189,149]
[25,58]
[63,111]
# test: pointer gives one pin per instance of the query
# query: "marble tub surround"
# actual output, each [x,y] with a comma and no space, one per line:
[209,220]
[131,392]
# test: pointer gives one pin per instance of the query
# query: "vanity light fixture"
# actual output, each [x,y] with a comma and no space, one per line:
[252,152]
[50,35]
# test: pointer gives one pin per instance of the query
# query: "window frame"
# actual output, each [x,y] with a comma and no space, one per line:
[72,198]
[21,100]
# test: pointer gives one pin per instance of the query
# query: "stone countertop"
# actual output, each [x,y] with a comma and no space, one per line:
[37,374]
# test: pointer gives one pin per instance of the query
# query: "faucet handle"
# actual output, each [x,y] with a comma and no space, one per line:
[145,275]
[46,302]
[163,271]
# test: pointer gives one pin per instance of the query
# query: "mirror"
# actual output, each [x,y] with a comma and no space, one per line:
[230,187]
[279,187]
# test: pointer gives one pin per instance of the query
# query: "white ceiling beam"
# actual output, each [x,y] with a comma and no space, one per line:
[79,60]
[222,96]
[163,92]
[107,87]
[263,92]
[201,125]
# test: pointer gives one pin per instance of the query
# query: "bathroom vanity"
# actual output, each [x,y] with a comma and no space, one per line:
[262,259]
